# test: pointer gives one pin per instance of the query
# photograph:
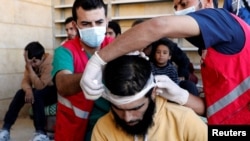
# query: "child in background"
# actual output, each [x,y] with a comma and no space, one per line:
[160,59]
[163,53]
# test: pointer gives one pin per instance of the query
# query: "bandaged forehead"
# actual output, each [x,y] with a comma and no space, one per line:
[120,100]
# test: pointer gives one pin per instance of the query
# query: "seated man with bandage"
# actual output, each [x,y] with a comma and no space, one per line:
[137,112]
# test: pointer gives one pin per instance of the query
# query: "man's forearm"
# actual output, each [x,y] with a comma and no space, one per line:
[136,38]
[68,84]
[197,104]
[143,34]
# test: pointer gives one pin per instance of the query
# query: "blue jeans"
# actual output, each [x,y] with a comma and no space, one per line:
[42,98]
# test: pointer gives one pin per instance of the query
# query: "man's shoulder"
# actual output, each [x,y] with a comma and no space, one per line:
[106,121]
[181,114]
[106,41]
[176,107]
[48,57]
[213,10]
[172,107]
[61,49]
[64,41]
[71,44]
[213,13]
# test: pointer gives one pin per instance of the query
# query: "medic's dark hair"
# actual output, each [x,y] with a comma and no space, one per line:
[88,5]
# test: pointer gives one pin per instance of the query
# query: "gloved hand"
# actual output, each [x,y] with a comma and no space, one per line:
[91,81]
[140,53]
[143,55]
[170,90]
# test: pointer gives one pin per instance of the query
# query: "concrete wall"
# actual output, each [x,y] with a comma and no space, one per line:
[21,22]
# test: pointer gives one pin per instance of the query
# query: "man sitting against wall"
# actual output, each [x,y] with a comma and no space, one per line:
[37,89]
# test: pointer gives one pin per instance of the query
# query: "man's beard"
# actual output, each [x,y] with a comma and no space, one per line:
[142,126]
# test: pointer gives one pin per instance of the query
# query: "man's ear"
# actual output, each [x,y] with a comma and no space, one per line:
[153,95]
[107,22]
[74,24]
[209,4]
[43,57]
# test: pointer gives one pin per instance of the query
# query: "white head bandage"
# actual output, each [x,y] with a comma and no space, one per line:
[120,100]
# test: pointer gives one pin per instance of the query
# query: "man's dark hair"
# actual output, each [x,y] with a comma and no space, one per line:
[68,20]
[35,49]
[126,75]
[88,5]
[115,26]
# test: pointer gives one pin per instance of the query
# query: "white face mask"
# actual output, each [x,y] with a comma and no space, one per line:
[185,11]
[93,37]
